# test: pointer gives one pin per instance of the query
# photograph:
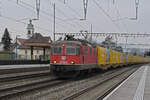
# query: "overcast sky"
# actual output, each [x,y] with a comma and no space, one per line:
[68,15]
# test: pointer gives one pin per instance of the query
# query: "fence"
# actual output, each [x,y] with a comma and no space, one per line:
[7,55]
[9,58]
[35,57]
[20,62]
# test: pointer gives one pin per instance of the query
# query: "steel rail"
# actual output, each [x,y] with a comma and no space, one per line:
[14,91]
[19,76]
[100,97]
[75,95]
[14,83]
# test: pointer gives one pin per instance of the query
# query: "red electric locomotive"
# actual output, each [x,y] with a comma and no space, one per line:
[70,57]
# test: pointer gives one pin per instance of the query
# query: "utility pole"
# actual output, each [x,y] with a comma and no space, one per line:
[136,10]
[91,31]
[113,1]
[0,8]
[126,44]
[91,28]
[85,5]
[136,4]
[38,8]
[17,46]
[54,23]
[116,40]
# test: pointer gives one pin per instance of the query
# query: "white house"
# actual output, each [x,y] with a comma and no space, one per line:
[24,52]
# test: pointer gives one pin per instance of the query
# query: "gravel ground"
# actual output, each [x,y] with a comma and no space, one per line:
[59,92]
[103,88]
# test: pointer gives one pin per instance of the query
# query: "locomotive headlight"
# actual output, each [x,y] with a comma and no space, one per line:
[72,62]
[54,62]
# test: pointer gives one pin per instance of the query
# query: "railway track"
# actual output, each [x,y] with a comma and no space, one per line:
[7,93]
[14,86]
[43,85]
[70,88]
[99,90]
[23,80]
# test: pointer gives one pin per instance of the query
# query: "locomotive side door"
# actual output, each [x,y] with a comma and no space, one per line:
[82,55]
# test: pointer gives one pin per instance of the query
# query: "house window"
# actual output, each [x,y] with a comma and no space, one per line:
[26,51]
[37,51]
[94,52]
[86,50]
[90,51]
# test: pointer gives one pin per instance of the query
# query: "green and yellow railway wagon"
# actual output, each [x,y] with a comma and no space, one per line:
[107,58]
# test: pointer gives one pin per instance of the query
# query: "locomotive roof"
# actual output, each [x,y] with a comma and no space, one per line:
[73,42]
[79,42]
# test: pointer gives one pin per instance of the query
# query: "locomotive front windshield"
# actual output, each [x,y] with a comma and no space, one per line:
[56,49]
[72,50]
[69,50]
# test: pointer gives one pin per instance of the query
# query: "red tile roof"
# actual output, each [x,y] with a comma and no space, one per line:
[38,38]
[21,40]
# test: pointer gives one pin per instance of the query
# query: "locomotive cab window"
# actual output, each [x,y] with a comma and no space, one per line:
[73,50]
[86,50]
[94,52]
[56,49]
[90,51]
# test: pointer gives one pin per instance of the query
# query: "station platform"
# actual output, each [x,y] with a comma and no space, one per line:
[23,66]
[135,87]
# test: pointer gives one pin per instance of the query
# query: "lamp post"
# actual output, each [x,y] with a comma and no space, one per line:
[54,23]
[16,46]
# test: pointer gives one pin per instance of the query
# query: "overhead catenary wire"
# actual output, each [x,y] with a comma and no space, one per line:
[68,19]
[85,6]
[31,8]
[38,3]
[58,18]
[136,10]
[125,26]
[61,18]
[44,12]
[137,6]
[18,21]
[108,16]
[15,20]
[76,13]
[0,7]
[113,1]
[72,9]
[64,20]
